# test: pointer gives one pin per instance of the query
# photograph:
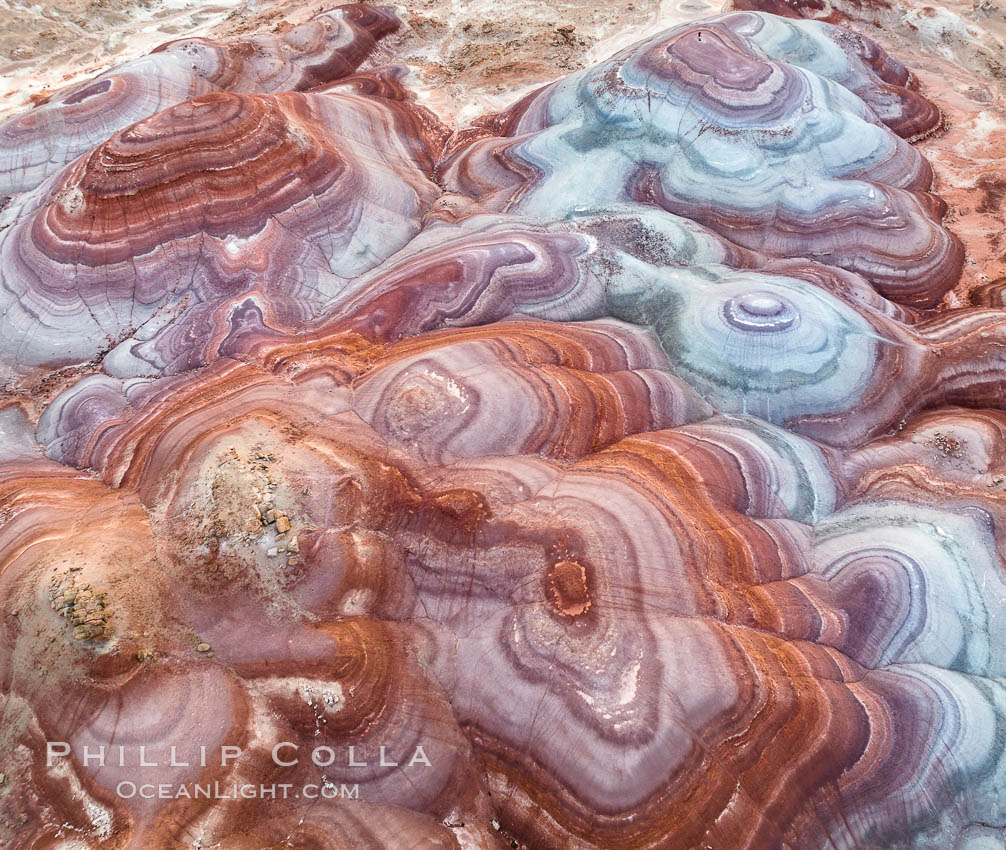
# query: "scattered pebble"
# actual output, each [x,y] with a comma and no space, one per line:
[83,607]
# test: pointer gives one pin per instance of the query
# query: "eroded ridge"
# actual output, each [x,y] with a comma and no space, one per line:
[71,121]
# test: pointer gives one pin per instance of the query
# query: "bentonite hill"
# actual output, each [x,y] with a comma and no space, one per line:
[503,426]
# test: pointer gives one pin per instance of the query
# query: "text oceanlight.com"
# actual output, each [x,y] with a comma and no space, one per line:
[234,791]
[285,754]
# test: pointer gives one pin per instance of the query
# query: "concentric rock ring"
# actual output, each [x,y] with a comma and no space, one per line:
[760,311]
